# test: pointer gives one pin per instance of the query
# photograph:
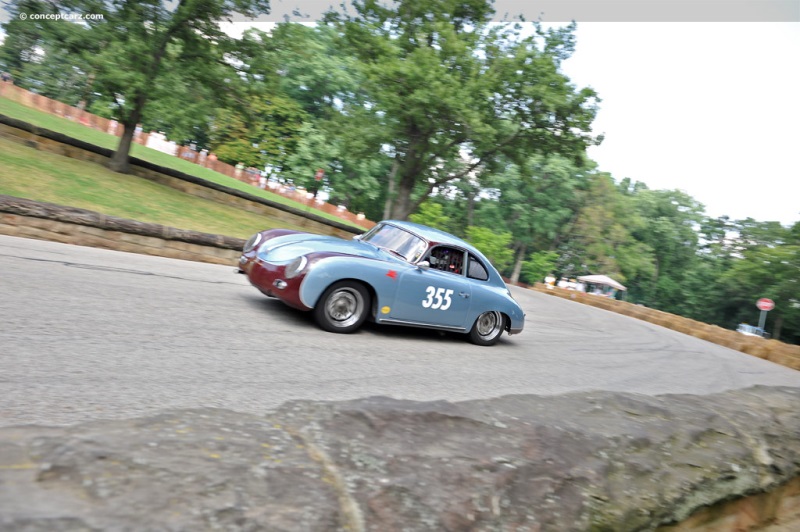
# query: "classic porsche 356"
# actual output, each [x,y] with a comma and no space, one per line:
[398,273]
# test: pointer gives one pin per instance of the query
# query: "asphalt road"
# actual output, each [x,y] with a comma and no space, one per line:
[90,334]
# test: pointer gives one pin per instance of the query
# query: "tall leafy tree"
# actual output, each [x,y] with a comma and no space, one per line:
[48,56]
[304,68]
[535,201]
[601,240]
[138,37]
[765,263]
[265,130]
[671,232]
[349,166]
[767,271]
[455,94]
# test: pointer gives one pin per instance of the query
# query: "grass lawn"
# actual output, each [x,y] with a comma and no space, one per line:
[104,140]
[41,176]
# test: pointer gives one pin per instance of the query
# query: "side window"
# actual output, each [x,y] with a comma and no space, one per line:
[477,270]
[447,259]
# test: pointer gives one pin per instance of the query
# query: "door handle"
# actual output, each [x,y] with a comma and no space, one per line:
[464,294]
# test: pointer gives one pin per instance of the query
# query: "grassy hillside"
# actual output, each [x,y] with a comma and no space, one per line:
[28,173]
[104,140]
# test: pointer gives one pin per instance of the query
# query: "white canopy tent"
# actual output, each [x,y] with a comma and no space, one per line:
[602,280]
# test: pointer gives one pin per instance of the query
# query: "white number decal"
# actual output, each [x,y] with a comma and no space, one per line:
[429,300]
[438,298]
[447,300]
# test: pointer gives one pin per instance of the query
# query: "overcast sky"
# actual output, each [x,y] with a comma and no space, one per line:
[709,108]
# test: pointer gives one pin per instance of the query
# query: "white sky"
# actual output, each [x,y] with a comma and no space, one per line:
[709,108]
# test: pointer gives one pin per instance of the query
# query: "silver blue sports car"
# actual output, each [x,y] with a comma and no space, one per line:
[398,273]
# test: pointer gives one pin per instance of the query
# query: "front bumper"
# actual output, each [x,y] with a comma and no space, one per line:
[271,281]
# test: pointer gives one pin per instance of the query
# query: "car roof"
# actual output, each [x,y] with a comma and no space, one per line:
[435,235]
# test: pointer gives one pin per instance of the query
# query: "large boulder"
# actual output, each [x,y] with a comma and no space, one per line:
[599,461]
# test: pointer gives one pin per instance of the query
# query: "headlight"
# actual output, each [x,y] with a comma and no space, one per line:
[251,243]
[294,268]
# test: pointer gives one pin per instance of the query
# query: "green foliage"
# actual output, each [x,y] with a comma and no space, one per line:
[138,50]
[601,239]
[534,200]
[767,271]
[492,244]
[431,214]
[264,132]
[303,67]
[539,265]
[455,94]
[352,178]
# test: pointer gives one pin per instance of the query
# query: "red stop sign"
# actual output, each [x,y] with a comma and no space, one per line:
[765,304]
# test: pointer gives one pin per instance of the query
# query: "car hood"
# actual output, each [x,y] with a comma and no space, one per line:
[288,247]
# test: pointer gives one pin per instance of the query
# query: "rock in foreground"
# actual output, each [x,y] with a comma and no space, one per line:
[601,461]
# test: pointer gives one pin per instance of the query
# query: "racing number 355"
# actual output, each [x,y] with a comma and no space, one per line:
[438,298]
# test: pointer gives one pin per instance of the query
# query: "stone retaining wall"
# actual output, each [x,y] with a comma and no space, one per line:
[46,221]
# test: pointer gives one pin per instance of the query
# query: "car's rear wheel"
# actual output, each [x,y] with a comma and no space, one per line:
[487,328]
[343,307]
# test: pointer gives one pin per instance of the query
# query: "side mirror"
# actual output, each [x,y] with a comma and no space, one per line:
[357,237]
[424,265]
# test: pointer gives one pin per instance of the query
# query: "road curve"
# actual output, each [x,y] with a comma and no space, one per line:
[89,334]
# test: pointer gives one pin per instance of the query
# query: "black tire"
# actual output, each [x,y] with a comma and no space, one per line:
[487,328]
[343,307]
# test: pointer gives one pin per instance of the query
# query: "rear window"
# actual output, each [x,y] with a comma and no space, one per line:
[477,270]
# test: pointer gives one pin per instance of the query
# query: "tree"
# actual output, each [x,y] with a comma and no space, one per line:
[455,94]
[304,67]
[266,130]
[672,219]
[493,244]
[535,201]
[47,55]
[139,36]
[539,265]
[350,177]
[432,215]
[766,263]
[601,238]
[772,272]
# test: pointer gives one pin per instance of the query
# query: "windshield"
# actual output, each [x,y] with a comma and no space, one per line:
[399,241]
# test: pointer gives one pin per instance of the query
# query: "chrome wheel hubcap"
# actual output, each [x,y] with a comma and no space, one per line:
[489,324]
[344,307]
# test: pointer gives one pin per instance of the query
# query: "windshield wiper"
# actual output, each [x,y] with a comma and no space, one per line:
[396,253]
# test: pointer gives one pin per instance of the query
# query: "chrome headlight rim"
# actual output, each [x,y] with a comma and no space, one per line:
[296,267]
[252,243]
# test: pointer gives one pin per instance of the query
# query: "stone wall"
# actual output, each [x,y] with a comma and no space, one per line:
[46,221]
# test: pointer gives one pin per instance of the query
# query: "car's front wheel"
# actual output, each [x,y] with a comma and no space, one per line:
[488,328]
[343,307]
